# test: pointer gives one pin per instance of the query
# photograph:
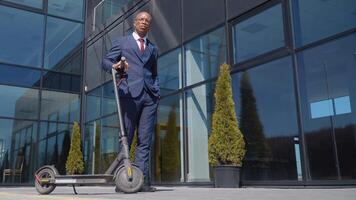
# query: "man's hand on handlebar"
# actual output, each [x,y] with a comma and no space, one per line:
[119,66]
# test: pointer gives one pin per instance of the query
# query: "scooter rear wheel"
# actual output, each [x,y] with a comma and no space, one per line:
[45,173]
[129,186]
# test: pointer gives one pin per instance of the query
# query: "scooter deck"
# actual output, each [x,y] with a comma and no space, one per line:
[85,179]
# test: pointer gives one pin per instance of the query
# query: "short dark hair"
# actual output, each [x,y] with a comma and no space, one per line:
[143,11]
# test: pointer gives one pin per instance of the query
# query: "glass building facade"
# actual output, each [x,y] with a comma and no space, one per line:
[292,61]
[41,64]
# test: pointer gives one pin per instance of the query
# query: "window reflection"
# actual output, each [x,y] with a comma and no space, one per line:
[314,20]
[266,108]
[18,102]
[169,70]
[109,142]
[93,104]
[327,75]
[204,55]
[19,76]
[259,34]
[105,9]
[66,8]
[17,150]
[22,39]
[109,102]
[61,81]
[32,3]
[65,105]
[63,39]
[322,108]
[93,66]
[54,144]
[199,111]
[330,107]
[168,147]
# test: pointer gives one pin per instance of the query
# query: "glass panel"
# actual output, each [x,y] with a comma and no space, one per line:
[63,42]
[65,104]
[199,111]
[342,105]
[204,55]
[327,73]
[32,3]
[17,143]
[54,146]
[88,148]
[200,16]
[60,81]
[112,7]
[314,20]
[169,70]
[266,107]
[105,9]
[168,146]
[113,35]
[259,34]
[93,65]
[93,104]
[66,8]
[322,108]
[109,142]
[166,31]
[18,102]
[109,102]
[22,39]
[19,76]
[92,147]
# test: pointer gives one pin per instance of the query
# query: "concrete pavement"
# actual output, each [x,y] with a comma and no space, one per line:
[180,193]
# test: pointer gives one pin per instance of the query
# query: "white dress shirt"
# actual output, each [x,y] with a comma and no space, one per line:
[136,37]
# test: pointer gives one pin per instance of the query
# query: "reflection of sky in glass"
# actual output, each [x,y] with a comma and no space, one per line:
[61,38]
[21,37]
[204,55]
[325,108]
[21,102]
[342,105]
[66,8]
[318,19]
[19,76]
[321,108]
[258,34]
[274,95]
[169,71]
[32,3]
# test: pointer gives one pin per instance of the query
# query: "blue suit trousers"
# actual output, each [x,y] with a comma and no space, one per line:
[140,112]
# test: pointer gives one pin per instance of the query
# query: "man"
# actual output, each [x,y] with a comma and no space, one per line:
[139,90]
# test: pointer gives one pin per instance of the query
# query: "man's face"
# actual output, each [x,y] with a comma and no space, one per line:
[142,23]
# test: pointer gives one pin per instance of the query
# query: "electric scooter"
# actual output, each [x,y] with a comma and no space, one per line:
[127,177]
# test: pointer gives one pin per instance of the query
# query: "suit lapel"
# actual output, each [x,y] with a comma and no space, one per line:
[134,45]
[148,52]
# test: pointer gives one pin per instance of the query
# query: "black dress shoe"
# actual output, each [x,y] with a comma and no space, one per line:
[147,188]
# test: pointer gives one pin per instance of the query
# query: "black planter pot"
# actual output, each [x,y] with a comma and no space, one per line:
[227,176]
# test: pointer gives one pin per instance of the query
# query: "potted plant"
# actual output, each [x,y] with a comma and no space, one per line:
[226,143]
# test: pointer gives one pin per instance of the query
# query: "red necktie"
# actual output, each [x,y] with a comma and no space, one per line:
[142,45]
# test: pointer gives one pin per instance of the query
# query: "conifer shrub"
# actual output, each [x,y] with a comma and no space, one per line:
[226,143]
[75,163]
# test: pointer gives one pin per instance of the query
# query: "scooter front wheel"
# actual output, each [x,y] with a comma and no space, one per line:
[127,185]
[45,174]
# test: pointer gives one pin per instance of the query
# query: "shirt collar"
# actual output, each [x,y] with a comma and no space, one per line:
[136,37]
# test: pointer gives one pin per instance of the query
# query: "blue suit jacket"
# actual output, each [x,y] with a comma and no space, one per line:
[142,71]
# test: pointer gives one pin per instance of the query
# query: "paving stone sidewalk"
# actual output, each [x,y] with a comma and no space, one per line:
[181,193]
